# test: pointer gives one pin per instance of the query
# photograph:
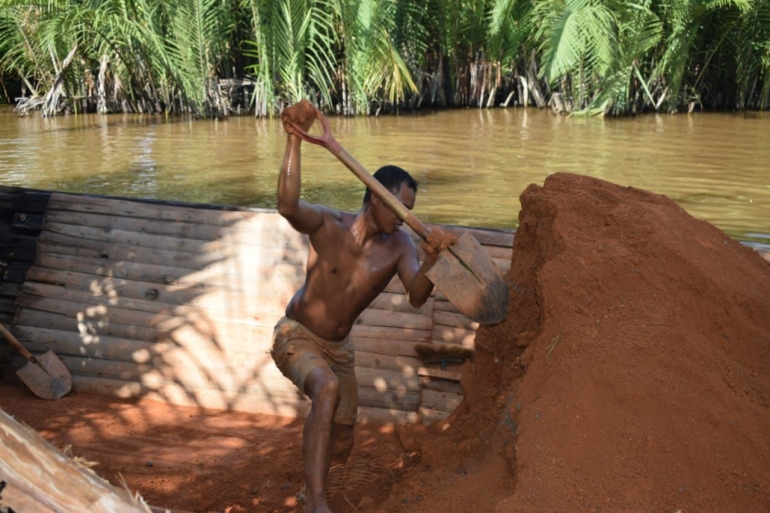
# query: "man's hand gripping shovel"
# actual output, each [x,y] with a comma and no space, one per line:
[463,271]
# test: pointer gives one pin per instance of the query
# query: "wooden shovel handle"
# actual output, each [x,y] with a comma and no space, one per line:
[328,141]
[15,343]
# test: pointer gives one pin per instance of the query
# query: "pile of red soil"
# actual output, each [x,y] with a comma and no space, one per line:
[633,371]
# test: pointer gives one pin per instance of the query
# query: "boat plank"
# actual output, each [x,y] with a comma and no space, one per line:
[404,364]
[56,243]
[253,231]
[145,210]
[462,336]
[407,400]
[219,274]
[291,241]
[438,400]
[382,346]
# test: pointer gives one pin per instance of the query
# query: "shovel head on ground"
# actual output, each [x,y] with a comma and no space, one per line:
[46,376]
[471,281]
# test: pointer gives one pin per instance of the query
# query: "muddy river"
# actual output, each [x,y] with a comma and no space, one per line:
[472,164]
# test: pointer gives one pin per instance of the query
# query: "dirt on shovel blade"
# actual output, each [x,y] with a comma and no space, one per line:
[46,377]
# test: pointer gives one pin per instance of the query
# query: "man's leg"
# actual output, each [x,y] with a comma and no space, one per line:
[323,389]
[342,443]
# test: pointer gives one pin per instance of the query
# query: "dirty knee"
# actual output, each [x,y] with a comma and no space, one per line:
[327,389]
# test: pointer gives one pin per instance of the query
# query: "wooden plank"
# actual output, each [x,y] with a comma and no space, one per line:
[397,302]
[441,401]
[235,277]
[37,477]
[428,416]
[401,320]
[156,210]
[160,354]
[369,415]
[205,327]
[486,237]
[403,364]
[221,308]
[56,243]
[464,337]
[202,294]
[454,320]
[229,336]
[212,251]
[385,380]
[270,238]
[451,373]
[377,332]
[444,306]
[498,252]
[37,318]
[9,289]
[226,338]
[442,385]
[267,386]
[259,231]
[200,374]
[382,346]
[395,286]
[398,400]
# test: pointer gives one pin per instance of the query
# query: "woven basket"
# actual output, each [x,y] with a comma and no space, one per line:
[350,482]
[356,478]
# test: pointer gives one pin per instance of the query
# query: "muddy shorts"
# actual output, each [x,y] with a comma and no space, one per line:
[297,351]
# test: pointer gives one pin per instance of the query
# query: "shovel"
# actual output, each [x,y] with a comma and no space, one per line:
[464,272]
[45,375]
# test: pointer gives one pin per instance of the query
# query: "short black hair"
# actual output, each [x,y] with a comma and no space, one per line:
[391,177]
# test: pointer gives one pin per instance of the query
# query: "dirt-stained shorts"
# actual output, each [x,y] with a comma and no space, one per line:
[297,351]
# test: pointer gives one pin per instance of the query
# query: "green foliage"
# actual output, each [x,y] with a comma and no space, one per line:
[361,56]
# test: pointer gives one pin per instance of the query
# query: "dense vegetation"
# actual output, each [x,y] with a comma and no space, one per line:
[215,57]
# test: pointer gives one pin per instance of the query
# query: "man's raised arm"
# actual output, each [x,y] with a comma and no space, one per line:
[418,286]
[304,217]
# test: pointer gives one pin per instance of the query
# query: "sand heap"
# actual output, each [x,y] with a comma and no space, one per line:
[633,371]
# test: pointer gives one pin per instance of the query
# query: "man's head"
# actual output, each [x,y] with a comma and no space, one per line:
[391,177]
[402,185]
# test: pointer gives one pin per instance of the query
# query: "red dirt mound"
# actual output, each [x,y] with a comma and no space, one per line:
[633,371]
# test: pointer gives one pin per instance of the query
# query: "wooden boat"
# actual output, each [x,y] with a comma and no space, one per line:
[177,301]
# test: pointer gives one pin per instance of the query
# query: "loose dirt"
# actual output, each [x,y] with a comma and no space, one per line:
[633,373]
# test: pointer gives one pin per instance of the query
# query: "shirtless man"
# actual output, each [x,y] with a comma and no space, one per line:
[352,258]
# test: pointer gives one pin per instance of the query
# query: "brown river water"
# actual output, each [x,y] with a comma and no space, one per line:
[472,164]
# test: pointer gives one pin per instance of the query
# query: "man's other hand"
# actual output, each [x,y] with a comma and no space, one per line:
[438,240]
[302,115]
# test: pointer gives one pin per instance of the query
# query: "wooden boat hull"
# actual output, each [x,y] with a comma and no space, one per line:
[178,301]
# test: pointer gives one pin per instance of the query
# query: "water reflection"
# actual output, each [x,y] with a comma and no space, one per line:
[472,164]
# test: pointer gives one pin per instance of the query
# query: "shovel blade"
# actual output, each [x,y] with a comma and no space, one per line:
[471,281]
[48,378]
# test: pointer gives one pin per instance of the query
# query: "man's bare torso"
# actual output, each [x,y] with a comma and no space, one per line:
[343,276]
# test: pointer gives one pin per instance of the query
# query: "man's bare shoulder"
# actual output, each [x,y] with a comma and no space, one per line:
[332,216]
[403,239]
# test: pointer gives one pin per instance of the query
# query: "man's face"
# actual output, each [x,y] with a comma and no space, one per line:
[387,221]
